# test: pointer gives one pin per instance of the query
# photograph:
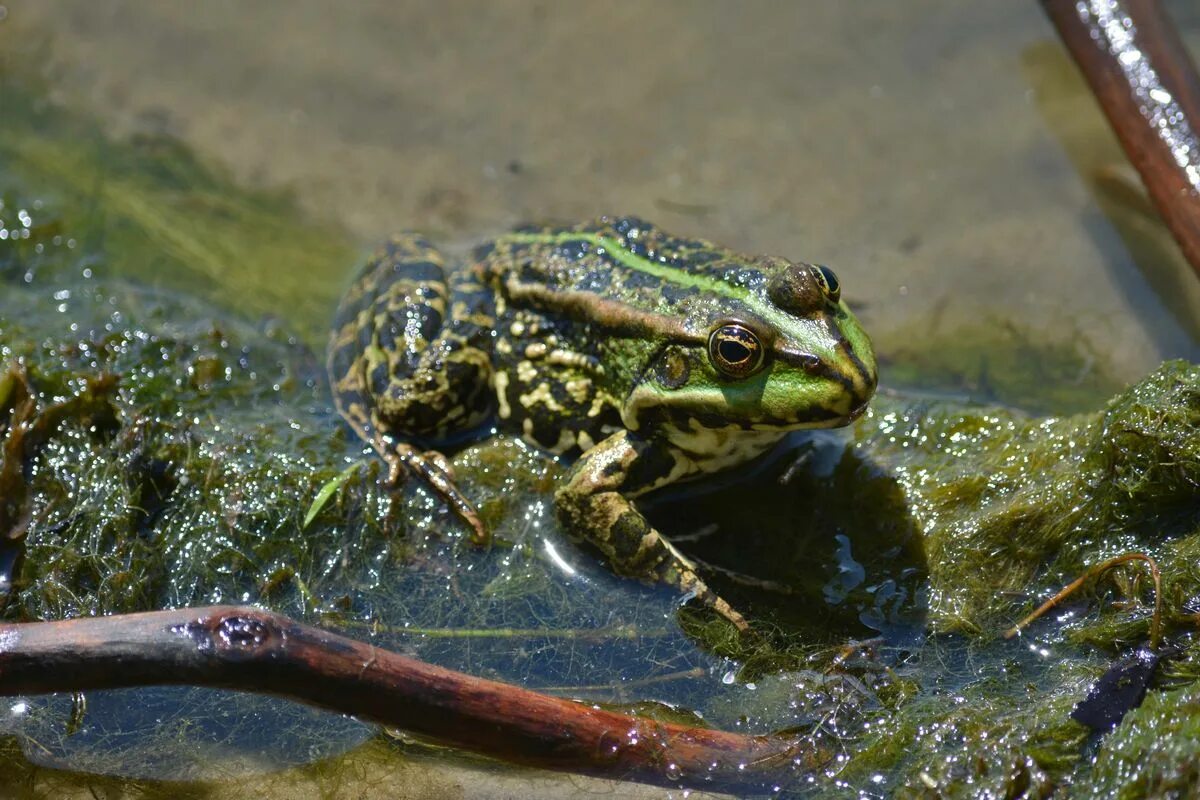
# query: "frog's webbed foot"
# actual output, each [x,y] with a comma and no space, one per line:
[434,469]
[593,506]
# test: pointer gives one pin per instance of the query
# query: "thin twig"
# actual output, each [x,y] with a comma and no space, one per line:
[609,632]
[1094,572]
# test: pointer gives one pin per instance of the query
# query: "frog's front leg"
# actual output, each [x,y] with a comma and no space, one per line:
[595,506]
[434,469]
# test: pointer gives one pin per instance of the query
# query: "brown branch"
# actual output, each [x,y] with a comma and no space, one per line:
[253,650]
[1144,80]
[1095,572]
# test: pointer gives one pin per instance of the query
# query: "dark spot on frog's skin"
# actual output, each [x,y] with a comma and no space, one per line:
[741,275]
[564,398]
[637,248]
[624,225]
[420,417]
[388,336]
[349,398]
[652,462]
[515,167]
[417,271]
[672,370]
[672,260]
[597,280]
[378,379]
[642,280]
[676,294]
[546,430]
[625,536]
[462,373]
[429,321]
[483,251]
[575,250]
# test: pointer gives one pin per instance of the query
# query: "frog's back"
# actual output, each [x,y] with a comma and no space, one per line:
[626,262]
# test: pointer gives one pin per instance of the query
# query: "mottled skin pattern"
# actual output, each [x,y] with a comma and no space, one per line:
[657,359]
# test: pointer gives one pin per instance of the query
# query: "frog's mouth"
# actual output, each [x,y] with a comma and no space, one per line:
[837,419]
[812,419]
[832,420]
[858,410]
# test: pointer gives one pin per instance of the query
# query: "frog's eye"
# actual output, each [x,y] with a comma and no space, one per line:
[735,350]
[828,282]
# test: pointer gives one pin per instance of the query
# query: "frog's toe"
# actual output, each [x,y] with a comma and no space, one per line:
[433,469]
[397,471]
[440,462]
[691,584]
[718,604]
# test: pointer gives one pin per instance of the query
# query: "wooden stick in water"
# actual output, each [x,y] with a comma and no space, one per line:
[253,650]
[1148,87]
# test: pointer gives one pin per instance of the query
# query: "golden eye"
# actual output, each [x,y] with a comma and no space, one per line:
[828,282]
[735,350]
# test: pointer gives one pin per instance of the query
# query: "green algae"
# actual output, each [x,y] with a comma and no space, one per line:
[1152,753]
[1014,498]
[160,216]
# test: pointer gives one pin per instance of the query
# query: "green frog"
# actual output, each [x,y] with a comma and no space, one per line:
[652,358]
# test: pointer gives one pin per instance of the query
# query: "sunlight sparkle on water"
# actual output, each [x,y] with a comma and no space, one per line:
[557,558]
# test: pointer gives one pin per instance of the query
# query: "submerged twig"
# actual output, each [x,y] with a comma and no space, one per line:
[253,650]
[1094,572]
[624,686]
[610,632]
[1145,82]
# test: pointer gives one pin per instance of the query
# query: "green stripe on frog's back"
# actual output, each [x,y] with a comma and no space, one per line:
[661,270]
[672,273]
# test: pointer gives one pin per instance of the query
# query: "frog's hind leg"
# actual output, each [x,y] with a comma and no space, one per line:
[409,360]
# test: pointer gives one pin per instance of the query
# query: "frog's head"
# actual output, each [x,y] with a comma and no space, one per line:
[782,352]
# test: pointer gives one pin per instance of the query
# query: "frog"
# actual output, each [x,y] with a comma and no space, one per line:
[643,358]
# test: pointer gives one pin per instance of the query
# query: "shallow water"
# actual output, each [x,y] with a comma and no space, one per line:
[941,155]
[944,157]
